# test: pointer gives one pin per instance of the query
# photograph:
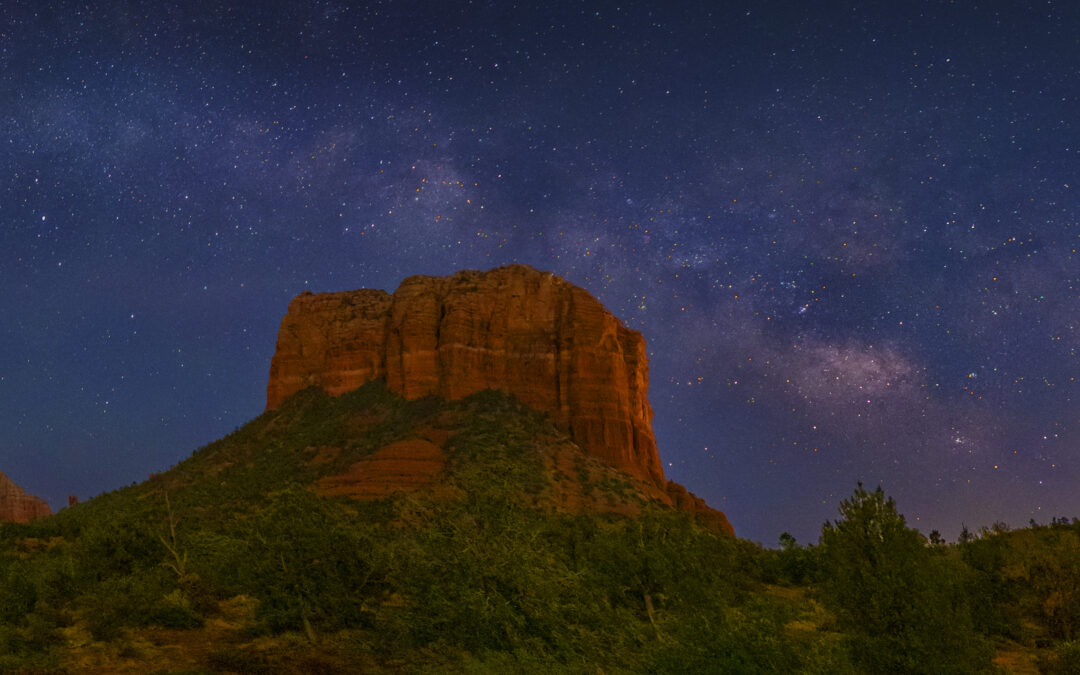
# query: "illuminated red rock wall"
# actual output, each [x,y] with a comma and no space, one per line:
[17,506]
[516,329]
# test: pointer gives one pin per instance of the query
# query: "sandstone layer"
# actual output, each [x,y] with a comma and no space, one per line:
[398,467]
[525,332]
[516,329]
[17,506]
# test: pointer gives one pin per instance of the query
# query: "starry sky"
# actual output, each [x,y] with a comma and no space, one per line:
[849,232]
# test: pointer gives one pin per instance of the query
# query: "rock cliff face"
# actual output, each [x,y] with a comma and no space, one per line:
[529,333]
[17,506]
[516,329]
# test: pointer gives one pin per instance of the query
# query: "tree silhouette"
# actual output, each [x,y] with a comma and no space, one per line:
[902,600]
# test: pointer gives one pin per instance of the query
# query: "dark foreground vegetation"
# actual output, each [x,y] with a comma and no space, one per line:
[230,562]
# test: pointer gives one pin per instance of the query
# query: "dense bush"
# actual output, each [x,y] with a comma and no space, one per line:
[480,576]
[18,594]
[902,602]
[1063,660]
[308,569]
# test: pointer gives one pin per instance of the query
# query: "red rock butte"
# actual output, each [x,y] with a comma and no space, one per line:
[18,507]
[515,329]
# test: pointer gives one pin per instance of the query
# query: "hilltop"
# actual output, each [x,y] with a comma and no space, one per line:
[460,512]
[490,536]
[514,329]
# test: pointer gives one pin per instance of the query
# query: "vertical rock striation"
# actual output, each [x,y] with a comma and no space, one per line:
[529,333]
[515,329]
[17,506]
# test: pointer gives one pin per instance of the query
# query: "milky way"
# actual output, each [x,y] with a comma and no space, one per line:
[849,235]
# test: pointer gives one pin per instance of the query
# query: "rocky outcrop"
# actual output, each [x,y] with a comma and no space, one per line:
[399,467]
[516,329]
[17,506]
[703,514]
[525,332]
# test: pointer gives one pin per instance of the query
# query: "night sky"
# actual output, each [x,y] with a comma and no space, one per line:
[848,234]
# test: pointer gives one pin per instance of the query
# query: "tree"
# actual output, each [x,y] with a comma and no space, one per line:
[1046,566]
[797,564]
[966,537]
[903,601]
[308,568]
[178,564]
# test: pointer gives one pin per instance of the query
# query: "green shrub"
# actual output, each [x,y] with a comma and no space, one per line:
[749,640]
[1063,660]
[20,653]
[902,602]
[18,595]
[309,570]
[174,611]
[120,602]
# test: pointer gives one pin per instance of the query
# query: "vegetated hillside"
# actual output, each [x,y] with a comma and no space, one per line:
[285,548]
[269,551]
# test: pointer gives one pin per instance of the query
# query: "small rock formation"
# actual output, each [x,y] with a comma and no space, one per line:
[400,466]
[18,507]
[516,329]
[525,332]
[704,515]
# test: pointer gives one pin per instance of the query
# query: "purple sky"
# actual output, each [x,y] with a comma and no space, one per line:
[848,234]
